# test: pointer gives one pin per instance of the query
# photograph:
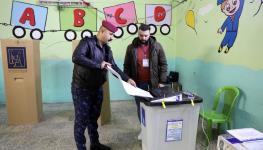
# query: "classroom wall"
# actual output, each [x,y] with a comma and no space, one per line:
[193,53]
[56,52]
[203,70]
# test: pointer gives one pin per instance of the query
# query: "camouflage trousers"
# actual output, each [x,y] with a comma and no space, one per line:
[87,104]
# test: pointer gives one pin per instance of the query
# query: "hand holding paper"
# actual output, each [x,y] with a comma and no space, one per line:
[129,87]
[104,64]
[131,82]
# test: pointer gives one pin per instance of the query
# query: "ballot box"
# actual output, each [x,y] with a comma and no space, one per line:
[168,124]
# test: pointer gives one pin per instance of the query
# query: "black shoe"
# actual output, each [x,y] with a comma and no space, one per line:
[220,49]
[227,50]
[99,146]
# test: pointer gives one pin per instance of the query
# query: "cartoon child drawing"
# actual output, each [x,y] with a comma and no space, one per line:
[232,9]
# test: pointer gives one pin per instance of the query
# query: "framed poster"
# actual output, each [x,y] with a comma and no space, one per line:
[16,57]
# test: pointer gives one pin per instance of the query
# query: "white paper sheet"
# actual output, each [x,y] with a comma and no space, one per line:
[166,99]
[129,89]
[114,72]
[254,145]
[246,134]
[169,99]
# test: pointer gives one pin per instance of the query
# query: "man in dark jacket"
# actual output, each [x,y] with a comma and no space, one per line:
[91,58]
[145,62]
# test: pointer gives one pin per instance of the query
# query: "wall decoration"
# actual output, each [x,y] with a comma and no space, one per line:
[19,32]
[205,10]
[28,16]
[153,29]
[16,57]
[78,19]
[36,34]
[158,14]
[119,33]
[261,2]
[165,29]
[82,16]
[70,35]
[132,28]
[232,9]
[121,15]
[190,19]
[62,3]
[86,33]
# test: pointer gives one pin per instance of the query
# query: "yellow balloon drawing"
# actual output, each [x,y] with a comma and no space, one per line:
[190,19]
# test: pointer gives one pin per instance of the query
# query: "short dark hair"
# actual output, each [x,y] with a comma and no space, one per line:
[144,27]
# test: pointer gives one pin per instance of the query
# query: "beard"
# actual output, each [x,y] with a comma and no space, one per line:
[144,42]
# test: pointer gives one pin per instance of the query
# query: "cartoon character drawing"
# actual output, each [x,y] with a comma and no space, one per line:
[261,3]
[232,9]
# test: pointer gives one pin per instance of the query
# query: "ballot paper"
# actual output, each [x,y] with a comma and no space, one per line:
[176,98]
[246,134]
[129,89]
[253,145]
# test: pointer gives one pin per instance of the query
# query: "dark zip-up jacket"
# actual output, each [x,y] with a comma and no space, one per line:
[87,59]
[157,62]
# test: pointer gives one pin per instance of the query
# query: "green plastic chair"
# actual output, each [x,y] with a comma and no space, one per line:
[229,96]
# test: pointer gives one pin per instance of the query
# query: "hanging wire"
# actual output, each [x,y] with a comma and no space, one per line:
[50,45]
[5,24]
[111,15]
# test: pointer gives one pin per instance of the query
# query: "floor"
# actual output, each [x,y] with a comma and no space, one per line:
[55,131]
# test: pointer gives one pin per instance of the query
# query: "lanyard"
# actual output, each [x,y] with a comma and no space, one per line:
[145,48]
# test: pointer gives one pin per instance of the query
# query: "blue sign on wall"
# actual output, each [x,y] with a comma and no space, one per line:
[16,57]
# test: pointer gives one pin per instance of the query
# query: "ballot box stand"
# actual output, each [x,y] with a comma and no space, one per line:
[170,125]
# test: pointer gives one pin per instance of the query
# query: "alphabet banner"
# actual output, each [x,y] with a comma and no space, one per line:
[158,14]
[84,18]
[29,16]
[78,19]
[121,15]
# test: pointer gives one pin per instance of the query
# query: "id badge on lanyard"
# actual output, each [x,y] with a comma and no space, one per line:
[145,62]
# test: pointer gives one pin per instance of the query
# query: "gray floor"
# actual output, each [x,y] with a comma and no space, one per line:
[55,131]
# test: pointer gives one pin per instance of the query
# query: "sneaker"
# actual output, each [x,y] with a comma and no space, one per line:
[140,136]
[99,146]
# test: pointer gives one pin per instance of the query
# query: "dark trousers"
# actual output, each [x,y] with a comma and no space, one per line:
[144,86]
[87,104]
